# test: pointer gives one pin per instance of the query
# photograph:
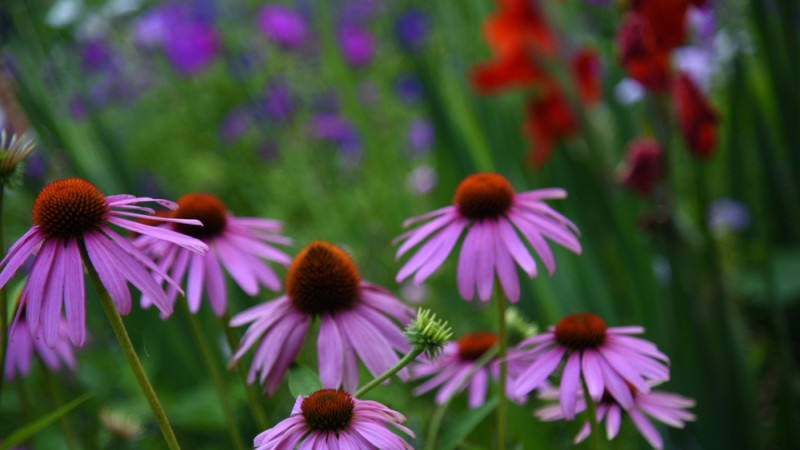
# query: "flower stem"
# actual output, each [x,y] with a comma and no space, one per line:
[130,353]
[252,396]
[438,415]
[502,336]
[216,376]
[69,436]
[416,351]
[3,303]
[591,409]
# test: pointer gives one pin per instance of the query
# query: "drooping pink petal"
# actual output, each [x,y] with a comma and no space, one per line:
[18,253]
[434,213]
[449,237]
[215,284]
[329,353]
[161,233]
[194,282]
[538,371]
[53,297]
[592,374]
[417,235]
[477,388]
[613,419]
[516,248]
[486,260]
[506,271]
[467,264]
[34,291]
[237,265]
[112,280]
[646,428]
[74,302]
[569,384]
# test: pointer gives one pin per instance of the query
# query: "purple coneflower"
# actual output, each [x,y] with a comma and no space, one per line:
[22,344]
[240,244]
[606,358]
[323,282]
[486,205]
[283,25]
[456,361]
[333,419]
[70,214]
[664,407]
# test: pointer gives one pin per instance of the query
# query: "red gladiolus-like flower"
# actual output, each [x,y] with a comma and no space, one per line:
[696,118]
[519,24]
[513,70]
[549,118]
[587,72]
[667,19]
[643,60]
[643,166]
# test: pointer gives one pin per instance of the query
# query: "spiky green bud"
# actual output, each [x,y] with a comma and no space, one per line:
[428,332]
[12,152]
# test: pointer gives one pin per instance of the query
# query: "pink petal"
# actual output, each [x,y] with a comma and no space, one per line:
[592,374]
[516,248]
[215,284]
[74,292]
[34,291]
[467,264]
[329,353]
[18,253]
[646,428]
[195,281]
[113,280]
[506,271]
[569,384]
[531,378]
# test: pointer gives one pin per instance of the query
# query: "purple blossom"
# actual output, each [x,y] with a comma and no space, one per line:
[330,127]
[357,45]
[278,102]
[421,136]
[235,123]
[726,214]
[411,28]
[283,25]
[96,55]
[409,89]
[191,46]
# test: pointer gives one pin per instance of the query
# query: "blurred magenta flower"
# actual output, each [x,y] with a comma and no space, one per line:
[643,166]
[278,102]
[71,213]
[412,28]
[22,345]
[283,25]
[607,359]
[355,319]
[665,407]
[356,44]
[450,369]
[96,54]
[239,244]
[487,208]
[331,419]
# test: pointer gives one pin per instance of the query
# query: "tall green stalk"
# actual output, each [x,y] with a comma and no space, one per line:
[212,365]
[591,410]
[252,396]
[130,353]
[416,351]
[503,346]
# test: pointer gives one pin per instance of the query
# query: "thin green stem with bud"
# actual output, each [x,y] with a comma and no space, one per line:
[416,351]
[216,375]
[130,353]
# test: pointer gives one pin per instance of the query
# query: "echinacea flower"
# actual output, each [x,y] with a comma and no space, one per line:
[664,407]
[355,320]
[22,345]
[607,359]
[450,369]
[239,244]
[70,216]
[493,216]
[331,419]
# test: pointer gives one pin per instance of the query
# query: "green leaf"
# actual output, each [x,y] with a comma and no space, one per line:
[463,424]
[24,433]
[303,381]
[753,285]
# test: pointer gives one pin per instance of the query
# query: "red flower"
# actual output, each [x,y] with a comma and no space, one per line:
[696,118]
[667,19]
[549,118]
[519,25]
[643,60]
[514,70]
[643,166]
[587,72]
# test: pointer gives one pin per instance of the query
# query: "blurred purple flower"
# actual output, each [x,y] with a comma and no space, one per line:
[420,136]
[330,127]
[96,54]
[409,89]
[283,25]
[356,44]
[412,30]
[153,28]
[234,124]
[726,215]
[77,109]
[422,180]
[191,46]
[278,102]
[699,60]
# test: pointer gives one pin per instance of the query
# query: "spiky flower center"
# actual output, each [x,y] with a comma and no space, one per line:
[581,331]
[472,346]
[328,410]
[322,279]
[483,196]
[69,208]
[206,208]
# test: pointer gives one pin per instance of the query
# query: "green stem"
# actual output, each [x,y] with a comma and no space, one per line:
[212,365]
[438,415]
[69,436]
[502,336]
[130,353]
[252,396]
[416,351]
[591,409]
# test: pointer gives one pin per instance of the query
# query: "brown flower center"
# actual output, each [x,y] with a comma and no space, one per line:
[206,208]
[483,196]
[322,279]
[472,346]
[328,410]
[608,398]
[69,208]
[580,331]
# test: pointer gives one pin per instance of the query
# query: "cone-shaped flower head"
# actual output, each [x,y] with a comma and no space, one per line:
[333,419]
[606,359]
[664,407]
[355,320]
[70,215]
[493,217]
[239,244]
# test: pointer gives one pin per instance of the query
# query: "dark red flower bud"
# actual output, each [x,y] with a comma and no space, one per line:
[696,117]
[643,166]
